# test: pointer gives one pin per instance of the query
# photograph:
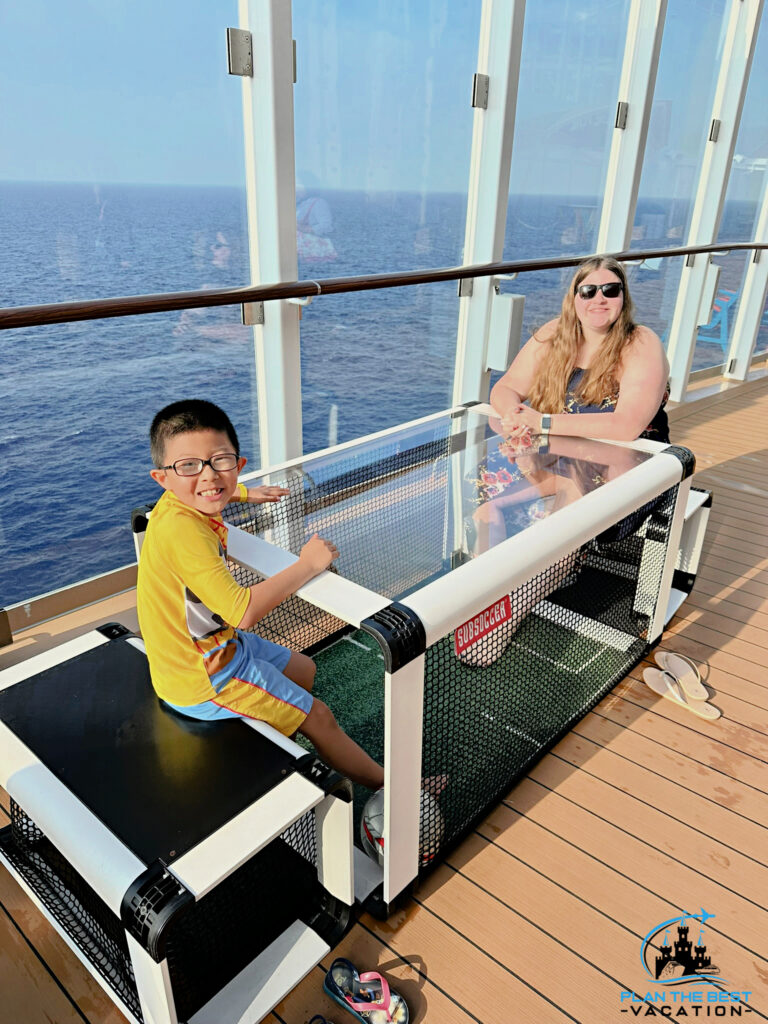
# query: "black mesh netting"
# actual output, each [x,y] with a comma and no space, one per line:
[208,942]
[575,631]
[386,514]
[80,913]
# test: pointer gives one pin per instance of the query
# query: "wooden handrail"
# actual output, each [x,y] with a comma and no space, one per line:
[135,305]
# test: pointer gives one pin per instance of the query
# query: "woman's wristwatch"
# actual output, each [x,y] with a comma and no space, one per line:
[546,424]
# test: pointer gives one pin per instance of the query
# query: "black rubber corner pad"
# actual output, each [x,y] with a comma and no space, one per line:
[150,905]
[399,633]
[686,457]
[139,517]
[327,779]
[114,630]
[707,503]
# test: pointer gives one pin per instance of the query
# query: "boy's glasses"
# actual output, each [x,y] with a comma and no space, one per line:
[191,467]
[611,290]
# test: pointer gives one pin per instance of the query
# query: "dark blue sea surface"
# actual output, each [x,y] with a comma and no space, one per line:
[76,400]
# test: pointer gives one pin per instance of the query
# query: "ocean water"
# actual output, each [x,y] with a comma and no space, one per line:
[76,400]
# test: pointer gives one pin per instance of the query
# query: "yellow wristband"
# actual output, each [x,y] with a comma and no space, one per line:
[242,492]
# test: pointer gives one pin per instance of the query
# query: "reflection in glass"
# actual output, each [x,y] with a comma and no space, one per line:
[383,129]
[679,126]
[747,181]
[566,105]
[403,509]
[74,438]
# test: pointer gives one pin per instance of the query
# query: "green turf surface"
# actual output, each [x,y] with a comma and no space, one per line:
[482,725]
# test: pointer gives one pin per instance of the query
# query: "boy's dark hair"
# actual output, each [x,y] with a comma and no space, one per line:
[185,417]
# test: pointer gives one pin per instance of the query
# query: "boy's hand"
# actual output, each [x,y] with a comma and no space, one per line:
[262,494]
[317,554]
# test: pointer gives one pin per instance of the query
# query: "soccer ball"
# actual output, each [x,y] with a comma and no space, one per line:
[431,827]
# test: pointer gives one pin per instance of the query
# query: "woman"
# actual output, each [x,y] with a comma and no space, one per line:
[593,360]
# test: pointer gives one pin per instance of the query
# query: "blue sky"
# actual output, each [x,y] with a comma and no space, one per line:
[137,91]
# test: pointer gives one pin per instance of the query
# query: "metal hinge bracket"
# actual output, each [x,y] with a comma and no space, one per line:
[756,256]
[714,130]
[252,313]
[621,114]
[239,52]
[480,85]
[465,287]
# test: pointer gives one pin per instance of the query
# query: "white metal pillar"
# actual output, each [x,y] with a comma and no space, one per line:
[625,162]
[738,49]
[271,196]
[501,36]
[752,302]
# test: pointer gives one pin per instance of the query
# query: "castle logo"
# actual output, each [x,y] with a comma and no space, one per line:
[683,981]
[679,962]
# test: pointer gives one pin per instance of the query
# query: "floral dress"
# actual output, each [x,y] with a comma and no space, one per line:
[657,429]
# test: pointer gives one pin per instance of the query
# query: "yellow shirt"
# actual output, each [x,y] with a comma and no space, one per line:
[187,601]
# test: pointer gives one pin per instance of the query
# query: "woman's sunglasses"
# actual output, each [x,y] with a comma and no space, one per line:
[611,290]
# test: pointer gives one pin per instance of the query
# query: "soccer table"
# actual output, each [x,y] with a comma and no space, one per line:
[485,598]
[198,872]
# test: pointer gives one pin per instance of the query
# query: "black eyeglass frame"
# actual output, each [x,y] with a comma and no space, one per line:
[593,289]
[204,463]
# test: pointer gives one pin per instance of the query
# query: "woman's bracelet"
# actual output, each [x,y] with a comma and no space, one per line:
[546,424]
[242,491]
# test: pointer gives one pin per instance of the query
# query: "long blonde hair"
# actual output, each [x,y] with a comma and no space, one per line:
[554,369]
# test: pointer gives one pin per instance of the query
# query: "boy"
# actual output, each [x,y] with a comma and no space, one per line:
[192,612]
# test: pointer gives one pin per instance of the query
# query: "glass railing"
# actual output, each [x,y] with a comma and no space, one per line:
[75,411]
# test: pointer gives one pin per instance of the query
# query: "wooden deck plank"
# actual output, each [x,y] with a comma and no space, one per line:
[30,991]
[578,987]
[501,870]
[83,990]
[679,730]
[687,772]
[662,829]
[476,980]
[672,877]
[426,1002]
[608,885]
[665,794]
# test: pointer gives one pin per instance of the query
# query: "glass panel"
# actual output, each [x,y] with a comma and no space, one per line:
[383,138]
[121,172]
[441,491]
[746,185]
[689,63]
[74,425]
[373,359]
[121,169]
[566,108]
[713,338]
[383,132]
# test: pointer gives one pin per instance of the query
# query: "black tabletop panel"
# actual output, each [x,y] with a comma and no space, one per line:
[160,782]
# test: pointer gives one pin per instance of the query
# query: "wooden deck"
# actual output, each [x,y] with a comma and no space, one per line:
[642,812]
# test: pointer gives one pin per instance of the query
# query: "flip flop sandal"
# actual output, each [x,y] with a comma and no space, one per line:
[666,685]
[367,997]
[684,671]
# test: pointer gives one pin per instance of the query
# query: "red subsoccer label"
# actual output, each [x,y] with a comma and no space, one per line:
[482,624]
